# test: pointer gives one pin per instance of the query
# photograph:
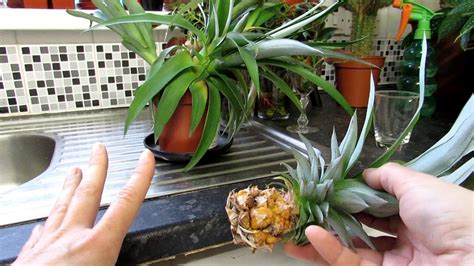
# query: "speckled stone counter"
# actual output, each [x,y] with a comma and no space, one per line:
[173,225]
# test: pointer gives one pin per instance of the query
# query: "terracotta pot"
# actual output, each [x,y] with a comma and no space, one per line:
[353,79]
[85,4]
[63,4]
[27,3]
[175,136]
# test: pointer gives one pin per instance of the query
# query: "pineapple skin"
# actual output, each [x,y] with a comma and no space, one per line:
[261,218]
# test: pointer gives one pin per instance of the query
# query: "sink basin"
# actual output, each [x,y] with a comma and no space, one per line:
[24,157]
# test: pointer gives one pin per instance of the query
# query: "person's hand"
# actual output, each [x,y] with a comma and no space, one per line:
[435,226]
[69,236]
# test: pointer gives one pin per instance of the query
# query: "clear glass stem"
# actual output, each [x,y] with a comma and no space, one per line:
[303,118]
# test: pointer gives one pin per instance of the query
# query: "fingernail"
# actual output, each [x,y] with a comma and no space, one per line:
[73,171]
[98,147]
[145,155]
[368,171]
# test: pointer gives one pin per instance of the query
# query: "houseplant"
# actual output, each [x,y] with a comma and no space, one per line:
[352,78]
[220,48]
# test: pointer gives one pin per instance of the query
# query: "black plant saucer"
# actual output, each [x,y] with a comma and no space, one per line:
[222,147]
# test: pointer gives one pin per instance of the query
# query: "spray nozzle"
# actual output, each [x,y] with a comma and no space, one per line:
[412,11]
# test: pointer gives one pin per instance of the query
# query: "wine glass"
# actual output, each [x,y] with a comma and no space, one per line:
[303,89]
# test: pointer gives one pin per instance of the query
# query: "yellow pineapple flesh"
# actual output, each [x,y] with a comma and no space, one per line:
[260,218]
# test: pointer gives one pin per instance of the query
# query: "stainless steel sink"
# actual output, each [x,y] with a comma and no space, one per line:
[24,157]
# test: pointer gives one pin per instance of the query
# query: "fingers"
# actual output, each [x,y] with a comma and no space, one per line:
[85,202]
[332,251]
[121,213]
[35,235]
[306,252]
[61,206]
[392,177]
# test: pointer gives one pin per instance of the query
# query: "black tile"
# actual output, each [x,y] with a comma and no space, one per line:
[51,91]
[33,92]
[1,85]
[61,98]
[40,84]
[36,58]
[25,50]
[128,93]
[23,108]
[101,64]
[16,75]
[44,107]
[10,93]
[95,103]
[115,48]
[132,55]
[76,81]
[141,77]
[91,72]
[18,84]
[79,104]
[28,67]
[80,49]
[113,102]
[104,87]
[44,50]
[125,63]
[133,70]
[119,86]
[108,56]
[66,74]
[86,96]
[62,49]
[15,67]
[63,57]
[3,50]
[34,100]
[100,48]
[111,80]
[3,59]
[56,66]
[11,101]
[4,110]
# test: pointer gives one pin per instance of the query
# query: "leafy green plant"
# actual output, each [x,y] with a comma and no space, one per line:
[458,19]
[212,63]
[364,18]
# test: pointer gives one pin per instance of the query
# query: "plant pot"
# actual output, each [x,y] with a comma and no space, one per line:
[27,3]
[152,5]
[63,4]
[85,4]
[353,79]
[175,135]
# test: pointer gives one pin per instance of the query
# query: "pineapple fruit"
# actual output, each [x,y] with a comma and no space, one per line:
[312,195]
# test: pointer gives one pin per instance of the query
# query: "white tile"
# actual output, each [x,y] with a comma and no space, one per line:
[7,37]
[25,37]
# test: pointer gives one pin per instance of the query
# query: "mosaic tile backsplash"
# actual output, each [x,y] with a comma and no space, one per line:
[59,78]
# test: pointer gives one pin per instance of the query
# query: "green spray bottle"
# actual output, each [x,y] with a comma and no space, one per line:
[419,16]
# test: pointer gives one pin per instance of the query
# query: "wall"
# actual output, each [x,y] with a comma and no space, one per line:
[46,66]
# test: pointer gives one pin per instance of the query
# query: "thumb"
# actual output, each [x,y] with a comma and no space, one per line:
[394,178]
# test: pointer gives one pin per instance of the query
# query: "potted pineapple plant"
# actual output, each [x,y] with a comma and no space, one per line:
[352,78]
[221,48]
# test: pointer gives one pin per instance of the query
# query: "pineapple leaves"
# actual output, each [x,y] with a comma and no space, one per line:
[211,126]
[337,224]
[356,228]
[155,83]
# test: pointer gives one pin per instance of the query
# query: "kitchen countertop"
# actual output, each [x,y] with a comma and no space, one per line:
[184,222]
